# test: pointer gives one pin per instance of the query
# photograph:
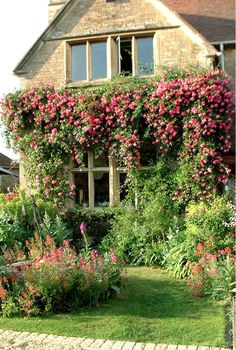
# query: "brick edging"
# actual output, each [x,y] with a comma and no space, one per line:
[39,341]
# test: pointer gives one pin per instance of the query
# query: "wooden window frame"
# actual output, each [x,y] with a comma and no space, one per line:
[112,55]
[91,170]
[133,37]
[114,170]
[88,44]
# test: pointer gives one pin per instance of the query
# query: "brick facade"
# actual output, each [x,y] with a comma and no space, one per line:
[175,47]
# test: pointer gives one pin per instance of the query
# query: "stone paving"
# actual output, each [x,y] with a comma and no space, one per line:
[10,340]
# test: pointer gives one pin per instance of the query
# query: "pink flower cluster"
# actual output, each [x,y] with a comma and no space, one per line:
[209,267]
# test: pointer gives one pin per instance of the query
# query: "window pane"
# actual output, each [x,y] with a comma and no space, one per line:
[99,60]
[145,56]
[101,186]
[82,195]
[79,64]
[126,57]
[84,162]
[101,161]
[148,156]
[123,186]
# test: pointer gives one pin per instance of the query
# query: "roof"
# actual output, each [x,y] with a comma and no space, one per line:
[188,28]
[39,41]
[5,161]
[214,19]
[7,172]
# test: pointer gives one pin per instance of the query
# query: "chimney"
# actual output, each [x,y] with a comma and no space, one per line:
[54,7]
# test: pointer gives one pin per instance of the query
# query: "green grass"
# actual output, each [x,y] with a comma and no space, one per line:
[151,308]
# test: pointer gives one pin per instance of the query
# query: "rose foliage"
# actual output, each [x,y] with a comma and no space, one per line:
[187,118]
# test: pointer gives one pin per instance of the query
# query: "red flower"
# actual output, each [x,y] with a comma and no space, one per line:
[13,278]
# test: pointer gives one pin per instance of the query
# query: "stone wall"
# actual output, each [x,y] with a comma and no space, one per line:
[97,17]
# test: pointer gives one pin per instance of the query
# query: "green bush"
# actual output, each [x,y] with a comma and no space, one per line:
[140,234]
[205,223]
[12,230]
[20,205]
[22,215]
[98,223]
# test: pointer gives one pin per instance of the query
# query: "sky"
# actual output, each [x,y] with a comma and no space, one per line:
[21,23]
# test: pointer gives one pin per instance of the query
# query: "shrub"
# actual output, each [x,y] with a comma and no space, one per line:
[98,223]
[187,116]
[214,274]
[21,215]
[12,231]
[140,233]
[19,205]
[205,223]
[60,279]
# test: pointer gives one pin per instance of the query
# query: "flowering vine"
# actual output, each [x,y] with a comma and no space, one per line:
[187,119]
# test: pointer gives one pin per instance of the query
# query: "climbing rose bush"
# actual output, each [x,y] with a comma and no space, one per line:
[188,119]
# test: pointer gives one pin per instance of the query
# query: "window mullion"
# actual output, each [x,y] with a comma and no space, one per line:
[119,54]
[156,53]
[113,183]
[89,64]
[91,180]
[134,57]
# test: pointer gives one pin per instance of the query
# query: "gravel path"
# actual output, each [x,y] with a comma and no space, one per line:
[10,340]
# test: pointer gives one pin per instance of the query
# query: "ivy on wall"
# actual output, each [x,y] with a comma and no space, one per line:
[188,118]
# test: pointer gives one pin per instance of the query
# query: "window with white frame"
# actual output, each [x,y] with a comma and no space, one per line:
[102,181]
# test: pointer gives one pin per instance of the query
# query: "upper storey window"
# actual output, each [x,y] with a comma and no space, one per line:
[89,61]
[135,56]
[105,58]
[145,56]
[79,62]
[98,61]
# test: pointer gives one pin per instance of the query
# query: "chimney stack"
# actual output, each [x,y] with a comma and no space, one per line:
[54,7]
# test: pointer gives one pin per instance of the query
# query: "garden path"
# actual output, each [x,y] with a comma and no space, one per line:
[11,340]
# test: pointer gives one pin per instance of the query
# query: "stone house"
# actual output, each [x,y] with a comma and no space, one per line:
[91,41]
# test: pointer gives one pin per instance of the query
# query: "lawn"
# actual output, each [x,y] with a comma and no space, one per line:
[152,307]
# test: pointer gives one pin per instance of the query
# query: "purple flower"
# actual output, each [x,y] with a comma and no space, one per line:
[83,227]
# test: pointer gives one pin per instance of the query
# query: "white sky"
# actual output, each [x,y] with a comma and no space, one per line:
[21,23]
